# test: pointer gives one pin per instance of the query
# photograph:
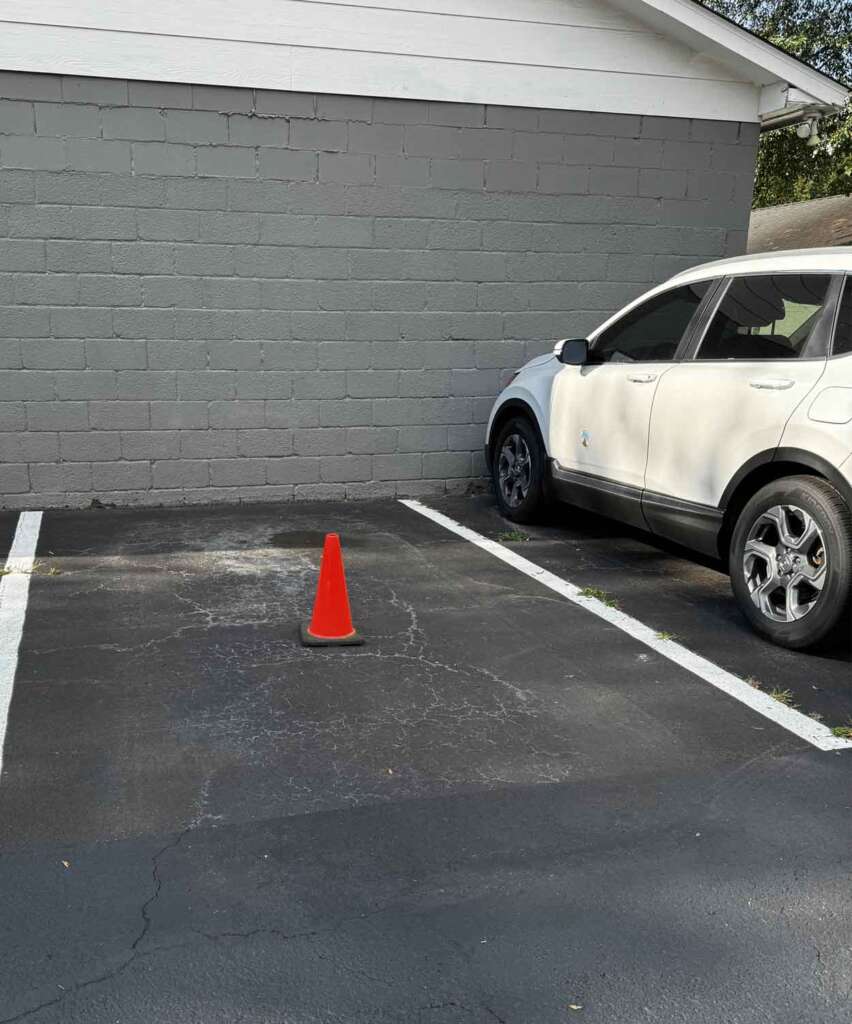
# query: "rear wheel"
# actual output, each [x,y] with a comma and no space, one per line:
[791,561]
[518,471]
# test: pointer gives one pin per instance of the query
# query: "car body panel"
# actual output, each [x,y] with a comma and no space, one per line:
[828,260]
[532,386]
[831,440]
[710,418]
[583,435]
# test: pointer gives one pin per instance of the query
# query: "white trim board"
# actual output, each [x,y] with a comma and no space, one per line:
[793,721]
[348,28]
[597,55]
[696,25]
[310,69]
[14,593]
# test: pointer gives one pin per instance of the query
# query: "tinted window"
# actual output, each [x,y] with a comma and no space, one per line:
[769,316]
[843,331]
[651,331]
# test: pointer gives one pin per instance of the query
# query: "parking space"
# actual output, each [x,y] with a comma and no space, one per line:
[678,593]
[499,809]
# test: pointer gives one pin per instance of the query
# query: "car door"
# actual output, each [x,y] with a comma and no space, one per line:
[600,412]
[763,351]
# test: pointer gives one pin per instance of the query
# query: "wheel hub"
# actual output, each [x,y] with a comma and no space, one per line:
[784,563]
[787,562]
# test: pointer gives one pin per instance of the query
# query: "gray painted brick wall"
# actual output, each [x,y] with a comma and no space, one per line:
[212,294]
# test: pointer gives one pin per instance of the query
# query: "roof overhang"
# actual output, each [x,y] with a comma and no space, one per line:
[791,91]
[782,104]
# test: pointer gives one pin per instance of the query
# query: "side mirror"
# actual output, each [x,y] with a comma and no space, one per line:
[574,352]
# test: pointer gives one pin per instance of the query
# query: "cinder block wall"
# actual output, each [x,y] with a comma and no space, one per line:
[222,294]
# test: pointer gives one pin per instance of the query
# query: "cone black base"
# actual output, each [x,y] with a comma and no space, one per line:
[309,640]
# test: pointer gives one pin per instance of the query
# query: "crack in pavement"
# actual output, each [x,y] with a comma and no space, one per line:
[452,1004]
[134,953]
[158,885]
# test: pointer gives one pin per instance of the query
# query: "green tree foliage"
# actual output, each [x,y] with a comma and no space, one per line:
[819,32]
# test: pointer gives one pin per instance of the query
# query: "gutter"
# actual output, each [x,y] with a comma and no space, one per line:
[782,105]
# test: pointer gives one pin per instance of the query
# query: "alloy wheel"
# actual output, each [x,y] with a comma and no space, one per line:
[785,563]
[514,470]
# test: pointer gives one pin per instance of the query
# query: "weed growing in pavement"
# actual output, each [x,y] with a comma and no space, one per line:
[784,697]
[599,595]
[663,635]
[843,732]
[38,569]
[512,535]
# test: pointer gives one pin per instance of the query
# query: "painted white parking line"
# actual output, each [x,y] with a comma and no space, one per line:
[14,591]
[794,721]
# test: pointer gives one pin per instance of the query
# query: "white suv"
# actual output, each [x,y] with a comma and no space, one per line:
[715,411]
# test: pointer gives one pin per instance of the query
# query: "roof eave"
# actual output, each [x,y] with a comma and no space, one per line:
[782,105]
[763,63]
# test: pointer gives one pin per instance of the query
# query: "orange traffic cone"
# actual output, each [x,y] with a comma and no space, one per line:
[331,622]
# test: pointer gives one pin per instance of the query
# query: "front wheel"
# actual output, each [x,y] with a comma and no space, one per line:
[791,561]
[518,471]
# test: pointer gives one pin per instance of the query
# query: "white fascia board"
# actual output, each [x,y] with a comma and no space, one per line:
[107,54]
[735,47]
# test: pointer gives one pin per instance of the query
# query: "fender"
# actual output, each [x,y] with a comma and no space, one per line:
[515,404]
[528,393]
[799,456]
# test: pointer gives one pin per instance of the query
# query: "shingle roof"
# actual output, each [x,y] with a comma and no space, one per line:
[816,222]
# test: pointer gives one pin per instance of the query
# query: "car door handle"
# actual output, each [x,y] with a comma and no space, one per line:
[771,383]
[642,378]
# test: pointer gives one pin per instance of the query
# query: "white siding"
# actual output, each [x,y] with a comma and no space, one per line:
[570,54]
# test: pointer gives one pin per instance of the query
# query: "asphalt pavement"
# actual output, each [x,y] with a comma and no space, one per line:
[499,809]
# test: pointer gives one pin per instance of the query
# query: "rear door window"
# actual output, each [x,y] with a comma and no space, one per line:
[769,316]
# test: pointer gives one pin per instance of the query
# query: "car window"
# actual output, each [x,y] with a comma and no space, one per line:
[652,331]
[843,330]
[767,316]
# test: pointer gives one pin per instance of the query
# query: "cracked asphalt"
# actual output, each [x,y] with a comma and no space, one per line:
[498,809]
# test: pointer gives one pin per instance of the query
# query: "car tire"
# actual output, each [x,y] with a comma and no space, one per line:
[518,471]
[791,561]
